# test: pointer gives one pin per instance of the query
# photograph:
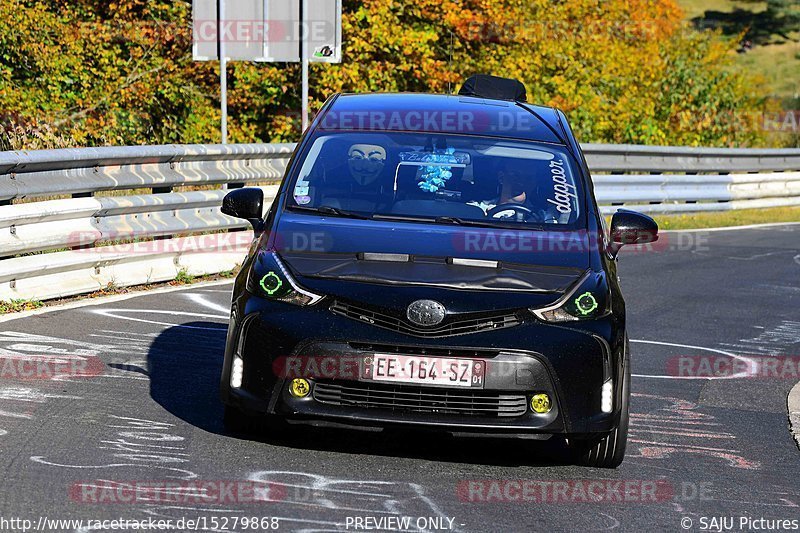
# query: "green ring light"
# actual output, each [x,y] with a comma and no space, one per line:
[278,282]
[586,303]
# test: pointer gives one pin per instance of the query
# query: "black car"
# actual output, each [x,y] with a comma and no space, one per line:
[438,261]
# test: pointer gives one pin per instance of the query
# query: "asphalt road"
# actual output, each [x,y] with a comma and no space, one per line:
[147,413]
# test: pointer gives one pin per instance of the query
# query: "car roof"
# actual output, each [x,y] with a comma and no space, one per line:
[442,113]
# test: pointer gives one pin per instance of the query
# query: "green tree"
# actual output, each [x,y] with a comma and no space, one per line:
[785,14]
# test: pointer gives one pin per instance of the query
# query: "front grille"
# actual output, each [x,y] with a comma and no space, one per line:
[472,324]
[421,399]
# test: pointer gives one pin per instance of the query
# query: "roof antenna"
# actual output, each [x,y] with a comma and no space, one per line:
[450,63]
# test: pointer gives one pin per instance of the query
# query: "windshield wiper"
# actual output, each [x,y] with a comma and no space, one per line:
[452,220]
[428,220]
[329,210]
[489,223]
[410,218]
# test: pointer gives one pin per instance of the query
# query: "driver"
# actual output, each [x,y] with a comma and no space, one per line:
[511,187]
[516,189]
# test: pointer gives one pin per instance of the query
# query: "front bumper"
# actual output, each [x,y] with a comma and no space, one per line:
[567,363]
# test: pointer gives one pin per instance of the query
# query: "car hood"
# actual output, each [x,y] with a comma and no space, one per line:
[505,265]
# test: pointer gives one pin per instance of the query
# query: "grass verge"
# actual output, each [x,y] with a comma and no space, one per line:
[741,217]
[776,51]
[16,306]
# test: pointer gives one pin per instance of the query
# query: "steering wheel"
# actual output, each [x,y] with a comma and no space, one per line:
[521,213]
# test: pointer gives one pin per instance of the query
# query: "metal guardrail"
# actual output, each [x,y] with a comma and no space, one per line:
[89,233]
[672,159]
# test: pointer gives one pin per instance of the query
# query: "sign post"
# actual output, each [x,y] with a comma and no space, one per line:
[223,72]
[304,34]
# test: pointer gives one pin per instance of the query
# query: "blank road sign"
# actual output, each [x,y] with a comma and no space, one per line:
[268,30]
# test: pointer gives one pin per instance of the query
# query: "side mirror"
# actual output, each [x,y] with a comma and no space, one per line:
[246,203]
[630,227]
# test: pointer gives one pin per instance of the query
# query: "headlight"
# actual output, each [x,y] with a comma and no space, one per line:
[269,278]
[587,300]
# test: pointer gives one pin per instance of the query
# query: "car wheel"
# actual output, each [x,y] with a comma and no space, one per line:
[609,450]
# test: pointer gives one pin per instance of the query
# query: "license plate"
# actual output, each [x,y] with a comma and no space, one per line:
[424,370]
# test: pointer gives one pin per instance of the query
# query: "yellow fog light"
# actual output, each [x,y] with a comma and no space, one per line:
[540,403]
[299,387]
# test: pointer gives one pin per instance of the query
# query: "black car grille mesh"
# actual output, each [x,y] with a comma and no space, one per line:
[421,399]
[472,324]
[429,351]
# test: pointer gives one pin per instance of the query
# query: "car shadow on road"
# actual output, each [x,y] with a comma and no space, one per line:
[185,363]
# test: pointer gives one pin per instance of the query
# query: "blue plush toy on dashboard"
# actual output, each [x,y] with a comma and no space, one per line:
[434,177]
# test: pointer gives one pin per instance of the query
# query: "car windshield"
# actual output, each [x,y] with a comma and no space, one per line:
[456,179]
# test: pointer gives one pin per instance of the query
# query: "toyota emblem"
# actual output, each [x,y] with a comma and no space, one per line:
[426,313]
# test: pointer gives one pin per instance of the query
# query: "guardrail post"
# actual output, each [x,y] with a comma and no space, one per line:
[162,190]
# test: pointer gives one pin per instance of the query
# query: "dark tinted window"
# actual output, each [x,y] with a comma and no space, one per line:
[431,175]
